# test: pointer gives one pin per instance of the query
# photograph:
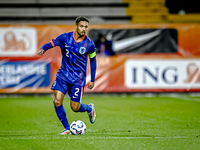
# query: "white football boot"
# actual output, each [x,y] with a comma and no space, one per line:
[92,114]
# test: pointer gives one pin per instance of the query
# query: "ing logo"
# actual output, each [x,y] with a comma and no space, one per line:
[12,43]
[193,73]
[18,41]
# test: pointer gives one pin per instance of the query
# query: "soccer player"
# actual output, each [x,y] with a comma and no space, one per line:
[71,76]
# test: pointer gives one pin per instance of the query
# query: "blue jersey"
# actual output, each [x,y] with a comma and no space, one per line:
[74,57]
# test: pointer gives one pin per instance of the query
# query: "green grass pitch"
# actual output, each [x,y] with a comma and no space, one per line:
[123,122]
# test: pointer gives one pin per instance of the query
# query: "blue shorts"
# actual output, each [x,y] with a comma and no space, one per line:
[75,92]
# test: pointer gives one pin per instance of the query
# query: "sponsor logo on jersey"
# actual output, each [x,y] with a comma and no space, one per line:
[67,45]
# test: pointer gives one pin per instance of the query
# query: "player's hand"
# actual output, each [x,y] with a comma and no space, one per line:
[41,52]
[91,85]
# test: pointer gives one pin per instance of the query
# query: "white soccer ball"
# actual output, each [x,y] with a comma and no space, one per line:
[78,127]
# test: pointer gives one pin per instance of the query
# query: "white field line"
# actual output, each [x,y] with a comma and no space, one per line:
[74,137]
[186,98]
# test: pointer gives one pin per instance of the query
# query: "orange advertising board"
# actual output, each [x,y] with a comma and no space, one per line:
[126,72]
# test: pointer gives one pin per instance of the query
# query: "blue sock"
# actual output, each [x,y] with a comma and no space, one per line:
[60,111]
[84,108]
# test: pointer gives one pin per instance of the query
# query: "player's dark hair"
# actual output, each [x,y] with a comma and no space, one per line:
[81,18]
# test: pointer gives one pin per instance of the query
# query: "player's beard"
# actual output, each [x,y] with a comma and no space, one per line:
[81,35]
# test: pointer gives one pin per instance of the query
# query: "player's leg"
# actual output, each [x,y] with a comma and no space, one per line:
[60,111]
[80,107]
[58,104]
[76,94]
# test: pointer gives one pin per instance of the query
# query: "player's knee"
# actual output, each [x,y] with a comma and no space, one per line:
[57,102]
[75,108]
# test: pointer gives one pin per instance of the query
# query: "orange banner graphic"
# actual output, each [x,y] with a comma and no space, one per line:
[20,43]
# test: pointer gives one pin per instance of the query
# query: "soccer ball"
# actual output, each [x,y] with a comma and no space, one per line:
[78,127]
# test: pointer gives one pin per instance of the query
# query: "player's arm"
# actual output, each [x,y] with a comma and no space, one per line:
[45,47]
[51,44]
[93,67]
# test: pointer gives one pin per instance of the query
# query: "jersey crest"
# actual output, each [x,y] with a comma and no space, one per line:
[82,50]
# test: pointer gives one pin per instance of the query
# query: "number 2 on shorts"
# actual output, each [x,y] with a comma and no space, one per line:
[76,93]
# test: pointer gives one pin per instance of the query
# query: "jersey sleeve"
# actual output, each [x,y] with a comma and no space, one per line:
[58,41]
[93,64]
[54,42]
[92,51]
